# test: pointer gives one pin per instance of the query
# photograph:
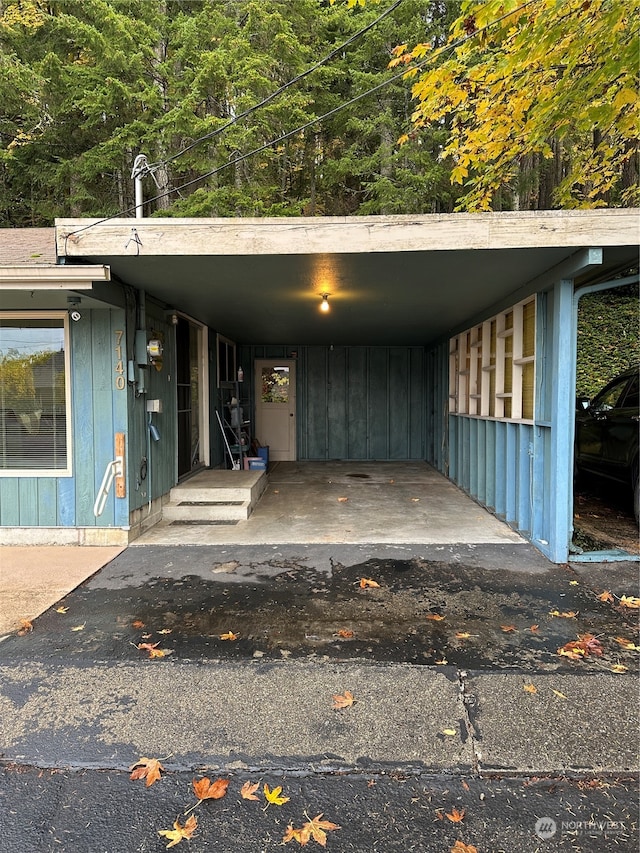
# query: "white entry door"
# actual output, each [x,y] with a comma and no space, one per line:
[276,407]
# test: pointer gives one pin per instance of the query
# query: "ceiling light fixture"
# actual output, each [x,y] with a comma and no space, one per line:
[324,305]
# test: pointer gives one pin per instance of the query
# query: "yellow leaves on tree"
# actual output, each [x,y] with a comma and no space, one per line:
[274,796]
[517,85]
[315,828]
[179,832]
[146,768]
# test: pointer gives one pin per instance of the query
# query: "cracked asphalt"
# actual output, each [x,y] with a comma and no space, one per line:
[462,701]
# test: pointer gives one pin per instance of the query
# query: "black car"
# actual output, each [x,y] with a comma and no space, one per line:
[607,433]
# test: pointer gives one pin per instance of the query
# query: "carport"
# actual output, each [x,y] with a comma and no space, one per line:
[450,341]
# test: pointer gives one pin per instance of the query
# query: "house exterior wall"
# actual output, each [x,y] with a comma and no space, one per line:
[98,411]
[355,403]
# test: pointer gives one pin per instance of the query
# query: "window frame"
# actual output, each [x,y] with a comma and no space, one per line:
[230,346]
[67,471]
[487,365]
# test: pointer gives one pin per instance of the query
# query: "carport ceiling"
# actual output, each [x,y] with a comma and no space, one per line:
[266,289]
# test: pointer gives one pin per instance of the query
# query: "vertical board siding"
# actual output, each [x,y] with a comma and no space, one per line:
[68,501]
[356,402]
[492,461]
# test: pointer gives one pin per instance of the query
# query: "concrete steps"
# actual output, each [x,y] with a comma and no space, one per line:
[215,497]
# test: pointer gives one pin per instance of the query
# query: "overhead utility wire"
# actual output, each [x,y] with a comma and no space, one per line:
[277,92]
[462,40]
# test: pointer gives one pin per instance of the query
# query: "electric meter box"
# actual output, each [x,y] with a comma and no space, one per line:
[154,406]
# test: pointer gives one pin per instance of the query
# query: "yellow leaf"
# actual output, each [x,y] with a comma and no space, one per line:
[619,667]
[368,583]
[573,583]
[402,139]
[627,644]
[530,688]
[79,627]
[273,796]
[435,617]
[567,614]
[229,636]
[630,601]
[462,635]
[61,609]
[606,596]
[558,693]
[25,627]
[449,732]
[178,832]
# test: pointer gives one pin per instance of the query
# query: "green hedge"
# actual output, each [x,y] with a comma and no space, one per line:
[608,337]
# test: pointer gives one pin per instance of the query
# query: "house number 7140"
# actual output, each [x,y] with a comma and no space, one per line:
[119,369]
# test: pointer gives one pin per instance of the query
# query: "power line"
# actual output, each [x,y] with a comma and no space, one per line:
[279,91]
[462,40]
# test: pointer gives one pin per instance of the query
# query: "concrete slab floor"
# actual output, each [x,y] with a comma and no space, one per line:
[350,503]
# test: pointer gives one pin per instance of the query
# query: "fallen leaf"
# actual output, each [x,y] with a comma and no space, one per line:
[147,647]
[530,688]
[147,636]
[248,791]
[229,636]
[294,835]
[508,628]
[344,700]
[205,789]
[367,582]
[585,645]
[462,635]
[461,847]
[630,601]
[342,500]
[533,628]
[449,732]
[138,623]
[274,796]
[567,614]
[435,617]
[456,816]
[573,583]
[415,500]
[441,662]
[558,693]
[317,829]
[619,667]
[159,653]
[62,609]
[79,627]
[165,631]
[627,644]
[25,627]
[146,768]
[179,832]
[606,596]
[345,633]
[465,785]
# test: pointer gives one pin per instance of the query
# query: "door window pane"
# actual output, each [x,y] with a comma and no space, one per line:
[275,385]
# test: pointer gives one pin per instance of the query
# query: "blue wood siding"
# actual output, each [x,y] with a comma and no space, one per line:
[354,402]
[98,410]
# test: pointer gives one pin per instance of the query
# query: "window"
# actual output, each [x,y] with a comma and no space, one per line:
[34,394]
[491,366]
[226,360]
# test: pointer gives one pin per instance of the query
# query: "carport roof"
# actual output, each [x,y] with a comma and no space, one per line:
[393,280]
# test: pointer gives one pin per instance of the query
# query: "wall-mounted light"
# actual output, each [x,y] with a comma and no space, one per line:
[324,305]
[74,313]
